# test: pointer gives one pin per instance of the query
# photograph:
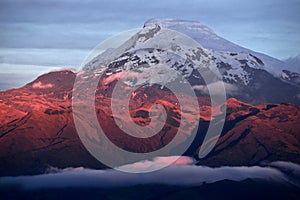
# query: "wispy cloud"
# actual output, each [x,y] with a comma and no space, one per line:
[230,89]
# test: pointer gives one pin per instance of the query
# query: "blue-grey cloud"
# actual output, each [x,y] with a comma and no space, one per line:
[268,26]
[180,175]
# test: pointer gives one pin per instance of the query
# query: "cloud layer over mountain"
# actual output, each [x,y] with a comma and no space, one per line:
[182,173]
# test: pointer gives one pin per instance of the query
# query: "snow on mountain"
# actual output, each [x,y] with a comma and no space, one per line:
[293,63]
[209,40]
[149,49]
[163,45]
[196,30]
[232,65]
[216,47]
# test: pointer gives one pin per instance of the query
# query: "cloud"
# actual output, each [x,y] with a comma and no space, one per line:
[118,76]
[178,174]
[289,168]
[158,162]
[217,86]
[40,85]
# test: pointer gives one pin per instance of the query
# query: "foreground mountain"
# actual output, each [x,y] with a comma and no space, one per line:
[37,128]
[253,134]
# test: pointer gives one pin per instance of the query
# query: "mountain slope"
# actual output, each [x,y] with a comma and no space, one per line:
[209,40]
[253,134]
[293,62]
[249,76]
[37,128]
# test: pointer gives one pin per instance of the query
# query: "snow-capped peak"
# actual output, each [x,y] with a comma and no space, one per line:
[236,63]
[175,23]
[164,46]
[199,32]
[211,41]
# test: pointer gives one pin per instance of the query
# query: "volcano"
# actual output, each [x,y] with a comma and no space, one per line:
[261,124]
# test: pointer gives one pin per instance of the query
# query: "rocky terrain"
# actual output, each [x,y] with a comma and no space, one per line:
[37,128]
[37,121]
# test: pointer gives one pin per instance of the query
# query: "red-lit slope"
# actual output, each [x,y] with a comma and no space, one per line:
[257,133]
[37,128]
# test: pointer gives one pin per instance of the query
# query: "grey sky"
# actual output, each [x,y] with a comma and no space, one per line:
[268,26]
[46,28]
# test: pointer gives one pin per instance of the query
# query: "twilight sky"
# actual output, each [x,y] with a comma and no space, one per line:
[38,36]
